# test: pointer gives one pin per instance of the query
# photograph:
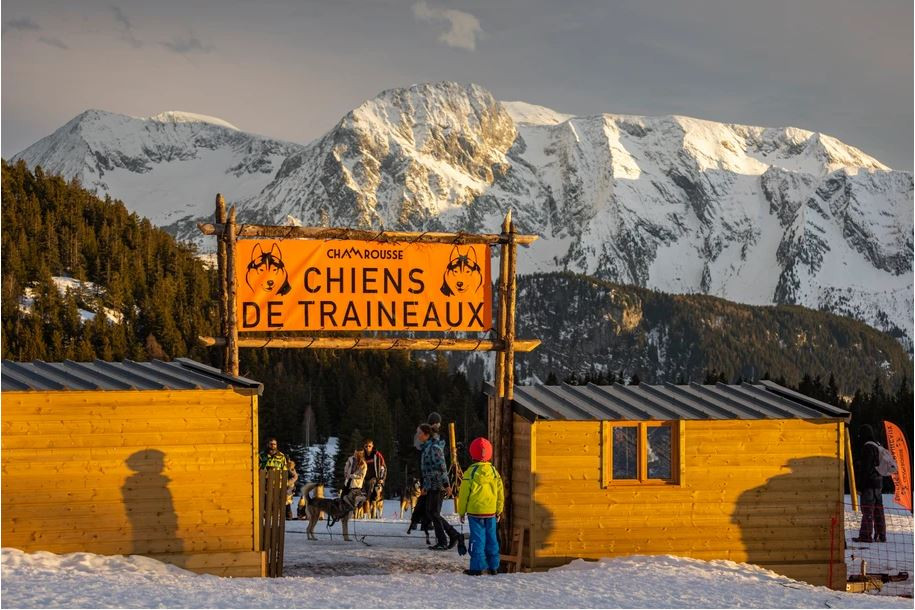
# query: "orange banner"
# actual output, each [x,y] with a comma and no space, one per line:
[360,285]
[896,444]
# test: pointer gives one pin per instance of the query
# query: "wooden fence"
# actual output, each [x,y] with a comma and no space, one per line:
[273,518]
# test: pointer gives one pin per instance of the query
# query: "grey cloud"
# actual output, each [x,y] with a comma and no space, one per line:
[463,28]
[187,45]
[20,24]
[54,42]
[127,31]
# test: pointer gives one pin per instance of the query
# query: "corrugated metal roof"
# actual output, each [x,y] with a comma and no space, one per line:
[667,401]
[179,374]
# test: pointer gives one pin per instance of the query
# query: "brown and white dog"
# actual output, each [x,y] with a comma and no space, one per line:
[339,509]
[409,497]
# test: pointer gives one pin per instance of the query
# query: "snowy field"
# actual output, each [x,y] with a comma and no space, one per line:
[383,567]
[896,555]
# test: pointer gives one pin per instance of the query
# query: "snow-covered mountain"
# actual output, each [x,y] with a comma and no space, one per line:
[167,167]
[751,214]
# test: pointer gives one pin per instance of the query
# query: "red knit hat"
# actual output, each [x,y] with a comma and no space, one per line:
[481,450]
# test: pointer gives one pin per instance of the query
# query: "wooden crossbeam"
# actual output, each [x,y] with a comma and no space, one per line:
[425,237]
[379,343]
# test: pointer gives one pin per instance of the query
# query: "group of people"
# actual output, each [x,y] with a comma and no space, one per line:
[364,469]
[480,499]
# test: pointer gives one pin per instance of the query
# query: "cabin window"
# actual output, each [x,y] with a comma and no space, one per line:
[640,453]
[625,452]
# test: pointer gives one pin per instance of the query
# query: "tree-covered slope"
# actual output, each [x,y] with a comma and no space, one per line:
[587,324]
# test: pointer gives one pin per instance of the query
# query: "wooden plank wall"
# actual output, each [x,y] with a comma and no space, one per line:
[521,473]
[762,492]
[161,473]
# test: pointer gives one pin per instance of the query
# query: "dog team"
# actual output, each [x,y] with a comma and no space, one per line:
[480,499]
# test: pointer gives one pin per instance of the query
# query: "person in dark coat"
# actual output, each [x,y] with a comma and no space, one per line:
[870,486]
[435,487]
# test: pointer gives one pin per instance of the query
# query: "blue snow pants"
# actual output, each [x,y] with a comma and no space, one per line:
[484,544]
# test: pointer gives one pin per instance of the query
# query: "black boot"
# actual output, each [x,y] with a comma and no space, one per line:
[472,572]
[492,572]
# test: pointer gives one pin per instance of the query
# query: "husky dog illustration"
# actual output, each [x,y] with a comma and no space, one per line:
[463,275]
[267,272]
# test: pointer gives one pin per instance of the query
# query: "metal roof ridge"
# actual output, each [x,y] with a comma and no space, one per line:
[538,405]
[765,396]
[586,396]
[723,411]
[755,414]
[619,402]
[581,401]
[637,395]
[790,394]
[85,367]
[59,369]
[654,391]
[210,371]
[151,370]
[169,368]
[48,371]
[123,371]
[734,392]
[20,372]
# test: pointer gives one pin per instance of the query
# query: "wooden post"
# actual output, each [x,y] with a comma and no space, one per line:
[458,474]
[232,334]
[506,424]
[850,466]
[221,274]
[498,382]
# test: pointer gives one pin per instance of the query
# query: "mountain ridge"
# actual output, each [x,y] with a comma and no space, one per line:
[750,214]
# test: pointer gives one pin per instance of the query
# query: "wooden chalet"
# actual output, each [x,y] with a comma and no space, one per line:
[154,458]
[750,473]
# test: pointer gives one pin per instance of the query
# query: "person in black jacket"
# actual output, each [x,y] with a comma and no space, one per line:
[870,485]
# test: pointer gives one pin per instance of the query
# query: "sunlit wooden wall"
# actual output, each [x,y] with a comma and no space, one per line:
[759,491]
[170,474]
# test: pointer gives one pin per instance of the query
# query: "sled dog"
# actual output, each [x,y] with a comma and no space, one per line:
[337,509]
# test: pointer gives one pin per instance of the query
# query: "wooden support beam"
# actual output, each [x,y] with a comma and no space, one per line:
[850,466]
[221,274]
[427,237]
[379,343]
[506,419]
[494,414]
[232,334]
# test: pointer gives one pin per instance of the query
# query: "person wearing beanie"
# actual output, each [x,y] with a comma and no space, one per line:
[435,420]
[482,498]
[870,486]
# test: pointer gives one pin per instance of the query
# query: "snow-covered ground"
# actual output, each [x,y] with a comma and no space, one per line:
[383,567]
[85,291]
[895,555]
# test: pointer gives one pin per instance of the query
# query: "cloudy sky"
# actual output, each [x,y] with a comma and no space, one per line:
[291,69]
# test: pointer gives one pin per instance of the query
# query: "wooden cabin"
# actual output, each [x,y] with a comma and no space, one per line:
[751,473]
[153,458]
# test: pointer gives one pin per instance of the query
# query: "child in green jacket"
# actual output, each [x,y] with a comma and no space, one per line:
[482,497]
